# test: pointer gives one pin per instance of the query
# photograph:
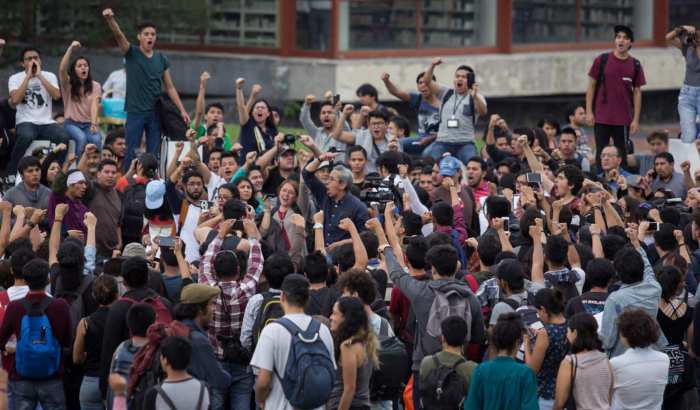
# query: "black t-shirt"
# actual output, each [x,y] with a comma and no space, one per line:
[321,301]
[590,302]
[93,341]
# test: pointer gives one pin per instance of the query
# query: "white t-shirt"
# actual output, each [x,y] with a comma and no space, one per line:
[187,232]
[36,105]
[640,377]
[116,83]
[272,351]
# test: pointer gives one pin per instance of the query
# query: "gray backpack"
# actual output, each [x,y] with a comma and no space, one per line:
[448,302]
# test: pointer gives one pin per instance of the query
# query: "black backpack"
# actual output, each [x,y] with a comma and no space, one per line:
[171,122]
[76,304]
[449,93]
[389,380]
[153,376]
[134,206]
[442,388]
[270,310]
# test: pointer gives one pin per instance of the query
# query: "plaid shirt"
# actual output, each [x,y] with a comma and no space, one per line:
[235,294]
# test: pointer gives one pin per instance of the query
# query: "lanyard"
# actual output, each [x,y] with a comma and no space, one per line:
[457,103]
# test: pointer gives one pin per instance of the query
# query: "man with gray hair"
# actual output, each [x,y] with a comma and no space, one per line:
[334,199]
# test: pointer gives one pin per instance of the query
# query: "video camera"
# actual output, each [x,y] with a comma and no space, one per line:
[378,191]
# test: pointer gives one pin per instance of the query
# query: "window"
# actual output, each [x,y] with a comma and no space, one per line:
[314,24]
[569,21]
[683,13]
[406,24]
[246,23]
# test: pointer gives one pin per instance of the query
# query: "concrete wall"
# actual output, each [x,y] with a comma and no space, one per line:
[499,75]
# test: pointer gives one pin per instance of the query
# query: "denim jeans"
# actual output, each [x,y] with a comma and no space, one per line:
[136,124]
[240,391]
[81,134]
[90,396]
[27,394]
[688,110]
[27,133]
[463,152]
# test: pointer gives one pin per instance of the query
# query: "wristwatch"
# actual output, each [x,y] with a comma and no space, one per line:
[318,226]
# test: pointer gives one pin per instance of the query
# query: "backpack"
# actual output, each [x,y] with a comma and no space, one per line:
[309,375]
[389,380]
[448,301]
[145,371]
[527,312]
[600,81]
[321,302]
[38,354]
[443,387]
[170,119]
[270,310]
[163,315]
[134,206]
[449,94]
[168,401]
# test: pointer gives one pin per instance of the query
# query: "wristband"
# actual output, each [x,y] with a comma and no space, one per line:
[318,226]
[57,220]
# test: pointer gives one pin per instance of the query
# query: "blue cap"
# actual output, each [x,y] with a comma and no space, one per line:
[155,191]
[449,166]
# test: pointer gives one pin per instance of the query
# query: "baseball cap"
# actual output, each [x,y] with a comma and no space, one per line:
[197,293]
[286,148]
[134,249]
[626,30]
[324,164]
[155,192]
[449,166]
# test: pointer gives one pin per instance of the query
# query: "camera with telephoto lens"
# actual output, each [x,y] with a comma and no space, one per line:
[289,139]
[378,191]
[689,38]
[234,352]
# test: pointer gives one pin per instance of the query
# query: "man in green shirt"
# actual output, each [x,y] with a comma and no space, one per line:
[434,367]
[212,115]
[147,71]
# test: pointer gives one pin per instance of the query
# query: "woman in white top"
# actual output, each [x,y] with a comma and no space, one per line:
[641,373]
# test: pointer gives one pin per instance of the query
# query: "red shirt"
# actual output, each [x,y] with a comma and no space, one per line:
[59,317]
[613,102]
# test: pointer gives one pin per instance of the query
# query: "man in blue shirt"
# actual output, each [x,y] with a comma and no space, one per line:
[610,161]
[334,199]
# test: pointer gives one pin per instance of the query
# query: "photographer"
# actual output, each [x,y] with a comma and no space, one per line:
[460,109]
[685,39]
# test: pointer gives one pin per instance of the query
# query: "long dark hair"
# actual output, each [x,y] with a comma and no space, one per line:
[237,194]
[75,85]
[270,121]
[355,327]
[586,329]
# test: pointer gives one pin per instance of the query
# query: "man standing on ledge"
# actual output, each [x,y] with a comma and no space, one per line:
[460,108]
[614,94]
[146,71]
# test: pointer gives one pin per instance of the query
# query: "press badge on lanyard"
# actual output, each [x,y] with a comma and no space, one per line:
[453,122]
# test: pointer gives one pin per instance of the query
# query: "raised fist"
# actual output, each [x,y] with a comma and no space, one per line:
[437,61]
[75,44]
[239,82]
[204,77]
[309,99]
[348,109]
[384,77]
[107,13]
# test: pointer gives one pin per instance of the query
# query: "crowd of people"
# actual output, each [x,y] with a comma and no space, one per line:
[372,263]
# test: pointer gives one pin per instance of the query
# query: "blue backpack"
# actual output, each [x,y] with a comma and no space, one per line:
[459,247]
[310,373]
[38,353]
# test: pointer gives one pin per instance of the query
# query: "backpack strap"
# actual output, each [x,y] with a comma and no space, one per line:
[512,303]
[36,309]
[165,397]
[448,94]
[471,105]
[201,396]
[471,280]
[383,328]
[601,79]
[291,327]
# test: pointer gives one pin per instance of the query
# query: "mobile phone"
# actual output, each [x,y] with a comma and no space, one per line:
[166,241]
[654,226]
[471,79]
[506,223]
[533,178]
[336,98]
[204,205]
